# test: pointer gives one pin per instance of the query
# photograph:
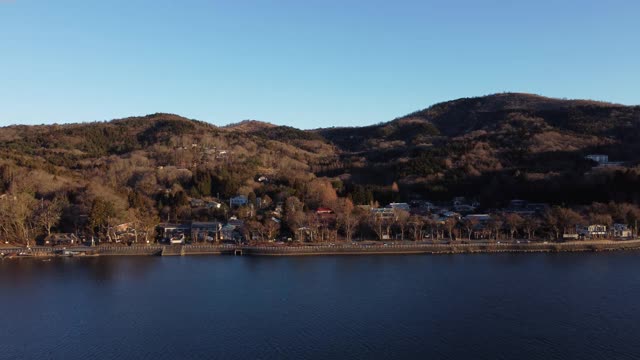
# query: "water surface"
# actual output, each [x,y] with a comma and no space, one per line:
[526,306]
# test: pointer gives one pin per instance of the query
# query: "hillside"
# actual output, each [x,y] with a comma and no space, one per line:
[477,143]
[492,149]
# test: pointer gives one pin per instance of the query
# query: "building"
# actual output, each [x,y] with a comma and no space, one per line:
[450,214]
[399,206]
[599,158]
[603,160]
[213,205]
[61,239]
[232,230]
[464,208]
[206,231]
[384,213]
[324,211]
[239,200]
[168,231]
[478,217]
[621,231]
[8,197]
[592,231]
[196,203]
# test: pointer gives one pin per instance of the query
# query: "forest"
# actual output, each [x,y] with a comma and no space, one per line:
[93,179]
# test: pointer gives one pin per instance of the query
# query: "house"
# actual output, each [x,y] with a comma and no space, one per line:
[206,231]
[464,208]
[235,222]
[599,158]
[324,211]
[425,206]
[603,160]
[229,232]
[61,239]
[478,217]
[232,230]
[213,205]
[449,214]
[400,206]
[621,231]
[168,231]
[123,228]
[196,203]
[570,236]
[592,231]
[239,200]
[384,213]
[8,197]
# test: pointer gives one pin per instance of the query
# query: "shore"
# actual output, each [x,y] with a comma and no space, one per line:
[315,250]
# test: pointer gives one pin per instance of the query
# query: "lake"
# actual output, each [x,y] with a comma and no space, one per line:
[485,306]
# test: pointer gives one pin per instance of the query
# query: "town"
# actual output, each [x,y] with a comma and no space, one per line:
[251,220]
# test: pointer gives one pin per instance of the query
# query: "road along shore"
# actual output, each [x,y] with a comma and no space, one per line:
[311,250]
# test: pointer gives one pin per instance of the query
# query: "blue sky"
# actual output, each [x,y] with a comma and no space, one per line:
[304,63]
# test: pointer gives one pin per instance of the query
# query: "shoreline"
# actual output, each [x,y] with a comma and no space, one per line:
[319,250]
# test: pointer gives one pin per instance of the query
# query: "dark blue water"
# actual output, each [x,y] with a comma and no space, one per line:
[542,306]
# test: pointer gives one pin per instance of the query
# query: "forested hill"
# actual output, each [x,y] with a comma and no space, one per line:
[491,148]
[498,147]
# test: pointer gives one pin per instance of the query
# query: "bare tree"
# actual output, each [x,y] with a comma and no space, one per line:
[254,229]
[530,225]
[417,223]
[346,217]
[401,220]
[551,219]
[513,222]
[379,225]
[450,223]
[17,218]
[271,228]
[495,224]
[470,224]
[293,215]
[49,212]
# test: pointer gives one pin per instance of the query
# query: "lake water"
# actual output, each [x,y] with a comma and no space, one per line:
[512,306]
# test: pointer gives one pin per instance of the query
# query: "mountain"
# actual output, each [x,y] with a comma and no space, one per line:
[249,126]
[490,148]
[468,143]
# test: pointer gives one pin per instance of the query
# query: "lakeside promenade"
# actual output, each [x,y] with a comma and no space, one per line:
[320,249]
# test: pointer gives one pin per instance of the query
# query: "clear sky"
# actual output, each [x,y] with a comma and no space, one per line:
[305,63]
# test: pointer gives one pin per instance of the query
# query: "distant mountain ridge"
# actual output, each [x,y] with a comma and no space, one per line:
[469,146]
